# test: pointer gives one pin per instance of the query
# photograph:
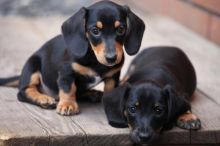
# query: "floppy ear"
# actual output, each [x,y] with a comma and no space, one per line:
[114,103]
[176,105]
[73,30]
[135,32]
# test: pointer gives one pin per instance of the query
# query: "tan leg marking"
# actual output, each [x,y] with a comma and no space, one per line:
[34,95]
[83,69]
[189,121]
[187,116]
[99,24]
[109,85]
[67,104]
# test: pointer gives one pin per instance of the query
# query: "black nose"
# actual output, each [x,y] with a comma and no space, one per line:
[144,137]
[111,58]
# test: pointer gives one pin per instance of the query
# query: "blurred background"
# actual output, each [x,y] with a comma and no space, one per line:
[202,16]
[192,25]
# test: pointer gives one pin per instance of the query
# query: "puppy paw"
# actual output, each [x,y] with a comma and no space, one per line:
[94,96]
[189,121]
[67,108]
[46,102]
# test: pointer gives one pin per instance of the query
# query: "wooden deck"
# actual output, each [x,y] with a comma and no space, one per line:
[22,124]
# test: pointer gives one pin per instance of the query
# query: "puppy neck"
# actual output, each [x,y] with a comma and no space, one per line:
[89,59]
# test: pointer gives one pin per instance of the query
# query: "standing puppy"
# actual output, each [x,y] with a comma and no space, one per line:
[90,50]
[154,94]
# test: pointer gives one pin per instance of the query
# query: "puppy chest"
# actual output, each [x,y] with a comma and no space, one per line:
[87,82]
[94,81]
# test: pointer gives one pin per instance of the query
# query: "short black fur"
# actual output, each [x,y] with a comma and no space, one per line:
[76,44]
[158,86]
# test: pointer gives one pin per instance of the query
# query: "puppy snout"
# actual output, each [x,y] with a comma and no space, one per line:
[144,136]
[111,58]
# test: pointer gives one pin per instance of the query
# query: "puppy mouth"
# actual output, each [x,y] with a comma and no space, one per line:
[135,138]
[110,64]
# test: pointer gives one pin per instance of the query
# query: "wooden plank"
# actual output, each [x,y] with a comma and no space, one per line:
[34,126]
[160,31]
[203,54]
[25,124]
[17,42]
[15,123]
[37,126]
[209,114]
[94,123]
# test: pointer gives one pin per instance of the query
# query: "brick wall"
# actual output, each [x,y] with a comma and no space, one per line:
[202,16]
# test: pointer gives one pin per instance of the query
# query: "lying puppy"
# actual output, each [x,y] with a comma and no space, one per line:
[154,94]
[90,50]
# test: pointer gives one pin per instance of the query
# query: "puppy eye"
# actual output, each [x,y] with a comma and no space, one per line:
[132,109]
[95,31]
[121,30]
[158,109]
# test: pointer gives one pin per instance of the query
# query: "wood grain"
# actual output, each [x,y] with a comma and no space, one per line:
[22,124]
[25,124]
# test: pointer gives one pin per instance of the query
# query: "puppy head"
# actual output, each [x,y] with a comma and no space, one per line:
[145,108]
[106,27]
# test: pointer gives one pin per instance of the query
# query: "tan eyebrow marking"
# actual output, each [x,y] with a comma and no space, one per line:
[117,23]
[99,24]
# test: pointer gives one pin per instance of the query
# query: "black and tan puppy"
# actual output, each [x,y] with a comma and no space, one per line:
[154,94]
[90,50]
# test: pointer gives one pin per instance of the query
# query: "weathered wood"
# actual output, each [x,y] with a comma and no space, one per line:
[24,124]
[209,114]
[203,53]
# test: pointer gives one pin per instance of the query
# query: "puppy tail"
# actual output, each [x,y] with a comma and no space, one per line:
[10,81]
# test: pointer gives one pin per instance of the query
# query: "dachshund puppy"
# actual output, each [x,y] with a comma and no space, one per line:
[154,95]
[89,50]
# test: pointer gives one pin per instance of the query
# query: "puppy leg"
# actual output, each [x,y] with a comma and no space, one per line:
[189,121]
[67,92]
[111,82]
[67,104]
[29,86]
[91,95]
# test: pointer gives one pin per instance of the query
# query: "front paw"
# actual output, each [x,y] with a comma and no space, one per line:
[67,108]
[189,121]
[46,102]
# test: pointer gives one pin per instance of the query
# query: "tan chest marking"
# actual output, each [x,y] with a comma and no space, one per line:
[109,85]
[83,70]
[112,72]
